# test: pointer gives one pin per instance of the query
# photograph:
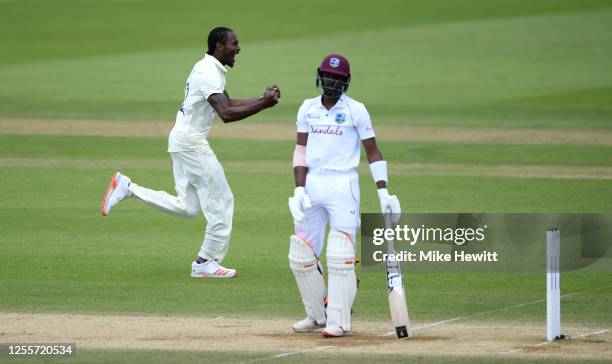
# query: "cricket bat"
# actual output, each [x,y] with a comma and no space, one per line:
[395,292]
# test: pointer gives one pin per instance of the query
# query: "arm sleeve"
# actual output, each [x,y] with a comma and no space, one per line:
[302,124]
[364,124]
[210,85]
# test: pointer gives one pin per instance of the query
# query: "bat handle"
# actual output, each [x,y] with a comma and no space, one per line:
[387,216]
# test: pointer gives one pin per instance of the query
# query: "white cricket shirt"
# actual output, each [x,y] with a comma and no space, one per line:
[334,135]
[195,116]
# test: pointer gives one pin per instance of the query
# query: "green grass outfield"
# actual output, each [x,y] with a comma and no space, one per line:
[543,63]
[499,64]
[99,356]
[61,256]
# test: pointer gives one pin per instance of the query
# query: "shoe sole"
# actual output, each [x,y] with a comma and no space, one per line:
[211,276]
[219,273]
[327,334]
[109,191]
[309,330]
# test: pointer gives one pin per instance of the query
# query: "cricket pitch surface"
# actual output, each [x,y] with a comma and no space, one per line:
[455,337]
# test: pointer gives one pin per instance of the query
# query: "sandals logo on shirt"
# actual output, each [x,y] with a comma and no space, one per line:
[340,118]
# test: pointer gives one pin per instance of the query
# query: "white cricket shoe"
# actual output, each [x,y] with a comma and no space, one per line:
[117,191]
[211,269]
[334,331]
[307,325]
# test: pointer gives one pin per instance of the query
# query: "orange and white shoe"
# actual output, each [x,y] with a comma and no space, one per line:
[334,331]
[117,191]
[211,269]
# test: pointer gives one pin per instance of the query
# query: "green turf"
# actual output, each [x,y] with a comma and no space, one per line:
[60,255]
[326,356]
[70,28]
[135,149]
[475,61]
[504,63]
[587,101]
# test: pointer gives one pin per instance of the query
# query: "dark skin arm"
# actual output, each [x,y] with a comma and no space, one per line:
[240,102]
[241,109]
[300,172]
[246,102]
[374,155]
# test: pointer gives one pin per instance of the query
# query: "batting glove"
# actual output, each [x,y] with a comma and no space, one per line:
[389,204]
[299,203]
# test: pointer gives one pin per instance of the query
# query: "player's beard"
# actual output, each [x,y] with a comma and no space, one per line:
[230,59]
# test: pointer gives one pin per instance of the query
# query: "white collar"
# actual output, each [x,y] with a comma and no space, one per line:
[338,103]
[216,62]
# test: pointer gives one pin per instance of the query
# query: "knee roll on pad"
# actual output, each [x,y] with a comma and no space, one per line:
[342,280]
[309,279]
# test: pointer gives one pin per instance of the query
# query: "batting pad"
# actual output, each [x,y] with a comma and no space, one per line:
[342,280]
[304,263]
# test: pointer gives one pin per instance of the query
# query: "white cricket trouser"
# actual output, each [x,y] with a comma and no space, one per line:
[335,199]
[200,184]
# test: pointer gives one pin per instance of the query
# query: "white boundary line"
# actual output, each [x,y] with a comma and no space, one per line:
[282,355]
[497,309]
[593,333]
[437,323]
[551,342]
[426,326]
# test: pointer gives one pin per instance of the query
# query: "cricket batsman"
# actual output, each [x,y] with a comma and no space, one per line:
[325,161]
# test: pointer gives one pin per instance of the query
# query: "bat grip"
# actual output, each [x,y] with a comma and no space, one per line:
[387,216]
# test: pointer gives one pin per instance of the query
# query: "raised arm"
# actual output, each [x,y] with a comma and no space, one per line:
[246,102]
[236,110]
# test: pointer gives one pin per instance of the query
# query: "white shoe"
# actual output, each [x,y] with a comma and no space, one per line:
[211,269]
[334,331]
[307,325]
[117,190]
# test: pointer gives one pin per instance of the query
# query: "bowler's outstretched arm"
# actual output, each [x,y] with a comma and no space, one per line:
[246,102]
[228,112]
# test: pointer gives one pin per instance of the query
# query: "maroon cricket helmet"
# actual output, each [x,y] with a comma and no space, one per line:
[336,64]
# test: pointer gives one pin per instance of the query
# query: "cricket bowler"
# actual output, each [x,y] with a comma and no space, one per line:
[199,179]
